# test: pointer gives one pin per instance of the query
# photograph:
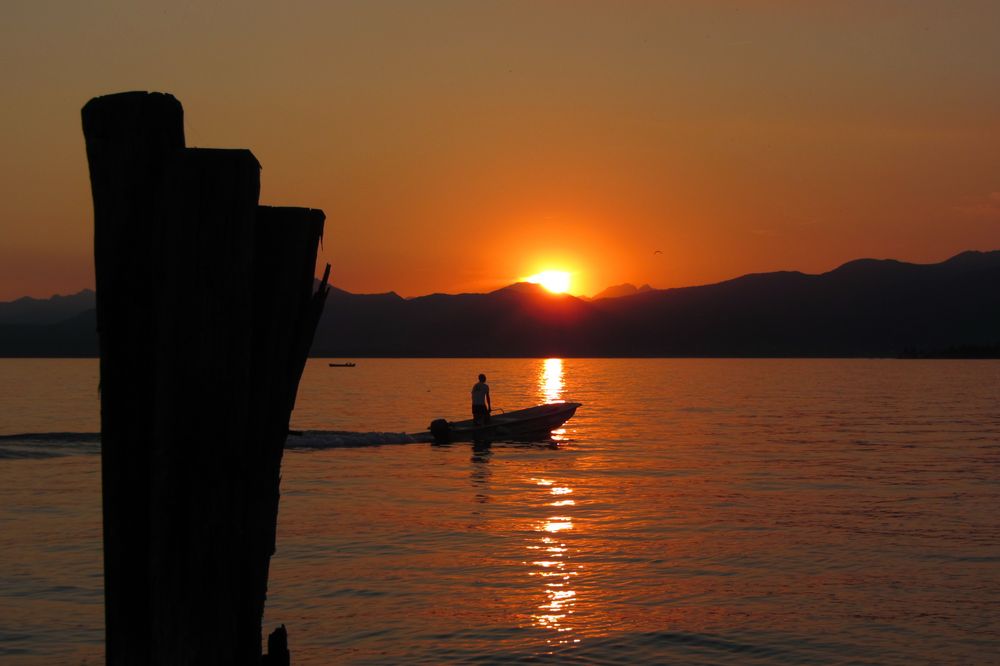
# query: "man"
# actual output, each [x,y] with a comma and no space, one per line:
[481,406]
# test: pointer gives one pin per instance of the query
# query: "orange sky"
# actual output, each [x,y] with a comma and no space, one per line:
[458,146]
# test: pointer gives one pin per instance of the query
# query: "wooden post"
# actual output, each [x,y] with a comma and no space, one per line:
[227,317]
[129,140]
[282,287]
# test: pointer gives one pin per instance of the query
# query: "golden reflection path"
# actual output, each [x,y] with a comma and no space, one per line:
[549,555]
[550,380]
[550,388]
[550,563]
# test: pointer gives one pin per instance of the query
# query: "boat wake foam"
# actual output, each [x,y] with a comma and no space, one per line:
[35,445]
[336,439]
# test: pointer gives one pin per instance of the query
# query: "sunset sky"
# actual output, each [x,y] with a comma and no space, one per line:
[460,146]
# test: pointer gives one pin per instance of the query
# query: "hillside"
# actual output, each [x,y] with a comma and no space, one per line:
[863,308]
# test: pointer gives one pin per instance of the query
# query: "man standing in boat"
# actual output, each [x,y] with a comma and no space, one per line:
[481,406]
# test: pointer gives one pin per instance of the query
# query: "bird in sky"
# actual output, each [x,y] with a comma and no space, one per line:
[658,252]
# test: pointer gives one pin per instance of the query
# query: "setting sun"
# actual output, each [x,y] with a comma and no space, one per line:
[555,281]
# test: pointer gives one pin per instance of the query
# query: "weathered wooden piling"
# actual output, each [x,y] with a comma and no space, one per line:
[206,312]
[129,139]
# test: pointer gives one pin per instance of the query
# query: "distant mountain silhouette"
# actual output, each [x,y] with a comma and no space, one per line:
[29,310]
[620,290]
[73,337]
[864,308]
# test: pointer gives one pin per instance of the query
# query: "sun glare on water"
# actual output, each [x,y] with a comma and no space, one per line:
[555,281]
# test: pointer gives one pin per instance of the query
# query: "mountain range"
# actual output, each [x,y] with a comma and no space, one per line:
[619,290]
[52,310]
[864,308]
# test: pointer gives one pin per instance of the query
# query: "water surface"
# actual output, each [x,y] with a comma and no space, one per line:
[694,511]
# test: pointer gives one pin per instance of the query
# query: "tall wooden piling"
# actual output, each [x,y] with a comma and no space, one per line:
[205,312]
[129,140]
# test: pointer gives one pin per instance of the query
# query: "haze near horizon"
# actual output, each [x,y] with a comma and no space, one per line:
[457,147]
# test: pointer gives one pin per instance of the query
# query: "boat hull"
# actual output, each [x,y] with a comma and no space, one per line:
[523,424]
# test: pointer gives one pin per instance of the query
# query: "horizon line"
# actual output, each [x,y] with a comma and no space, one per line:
[539,287]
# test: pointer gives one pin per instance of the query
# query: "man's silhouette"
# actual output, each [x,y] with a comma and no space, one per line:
[481,406]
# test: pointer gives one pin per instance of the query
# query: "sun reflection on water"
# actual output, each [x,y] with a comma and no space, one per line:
[550,380]
[553,568]
[550,388]
[558,524]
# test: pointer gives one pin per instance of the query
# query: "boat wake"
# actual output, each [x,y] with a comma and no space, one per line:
[335,439]
[35,445]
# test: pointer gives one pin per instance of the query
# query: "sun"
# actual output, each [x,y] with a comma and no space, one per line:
[555,281]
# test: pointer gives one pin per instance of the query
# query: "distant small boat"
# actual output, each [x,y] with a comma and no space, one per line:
[342,365]
[528,423]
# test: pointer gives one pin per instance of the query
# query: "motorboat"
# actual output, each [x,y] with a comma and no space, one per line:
[342,365]
[521,424]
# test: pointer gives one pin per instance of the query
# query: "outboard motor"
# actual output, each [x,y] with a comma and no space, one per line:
[441,430]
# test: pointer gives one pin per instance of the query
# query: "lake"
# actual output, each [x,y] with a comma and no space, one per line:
[693,511]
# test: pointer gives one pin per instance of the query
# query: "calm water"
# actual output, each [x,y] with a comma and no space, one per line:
[698,511]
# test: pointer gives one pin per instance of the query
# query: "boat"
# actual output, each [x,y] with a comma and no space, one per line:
[522,424]
[342,365]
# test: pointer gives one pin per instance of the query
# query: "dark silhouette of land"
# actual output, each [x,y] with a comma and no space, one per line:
[75,337]
[35,311]
[879,308]
[863,308]
[963,351]
[620,290]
